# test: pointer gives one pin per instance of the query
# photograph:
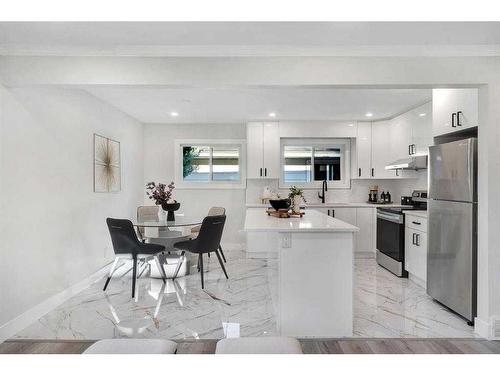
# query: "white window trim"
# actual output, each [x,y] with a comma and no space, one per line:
[179,180]
[345,144]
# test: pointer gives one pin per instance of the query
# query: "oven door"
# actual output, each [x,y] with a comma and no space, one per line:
[390,235]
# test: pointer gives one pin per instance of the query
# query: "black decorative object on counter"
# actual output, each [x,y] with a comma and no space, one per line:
[280,204]
[170,208]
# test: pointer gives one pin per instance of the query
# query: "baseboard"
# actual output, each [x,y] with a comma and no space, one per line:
[482,328]
[488,330]
[30,316]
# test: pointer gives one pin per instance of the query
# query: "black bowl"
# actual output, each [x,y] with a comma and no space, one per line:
[171,206]
[280,204]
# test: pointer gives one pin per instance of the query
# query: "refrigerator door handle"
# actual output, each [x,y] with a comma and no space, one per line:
[453,120]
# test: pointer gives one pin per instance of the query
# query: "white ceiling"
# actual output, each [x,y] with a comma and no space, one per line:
[249,38]
[229,105]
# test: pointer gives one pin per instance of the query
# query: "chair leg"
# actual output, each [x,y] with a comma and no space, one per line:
[161,269]
[221,264]
[198,263]
[221,253]
[209,255]
[179,264]
[134,276]
[200,259]
[111,271]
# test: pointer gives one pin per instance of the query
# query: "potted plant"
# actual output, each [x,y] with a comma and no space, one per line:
[161,194]
[296,196]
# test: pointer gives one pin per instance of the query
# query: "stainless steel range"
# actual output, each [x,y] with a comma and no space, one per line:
[391,233]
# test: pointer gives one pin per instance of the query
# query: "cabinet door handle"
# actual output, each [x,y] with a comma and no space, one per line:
[458,118]
[413,149]
[265,172]
[416,239]
[397,172]
[359,172]
[413,239]
[261,172]
[453,120]
[409,149]
[416,222]
[328,212]
[333,213]
[373,172]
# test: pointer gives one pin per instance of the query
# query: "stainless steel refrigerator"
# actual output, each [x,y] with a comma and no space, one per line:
[452,232]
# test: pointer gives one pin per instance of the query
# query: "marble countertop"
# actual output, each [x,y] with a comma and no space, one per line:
[334,205]
[257,220]
[418,213]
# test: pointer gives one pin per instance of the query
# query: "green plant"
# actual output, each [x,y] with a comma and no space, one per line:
[294,192]
[188,155]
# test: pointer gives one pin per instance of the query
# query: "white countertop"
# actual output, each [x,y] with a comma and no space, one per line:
[417,213]
[257,220]
[333,205]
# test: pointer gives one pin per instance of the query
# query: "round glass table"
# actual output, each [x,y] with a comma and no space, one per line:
[180,221]
[167,233]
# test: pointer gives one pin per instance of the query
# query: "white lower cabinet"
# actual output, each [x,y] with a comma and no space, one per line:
[365,238]
[363,218]
[416,249]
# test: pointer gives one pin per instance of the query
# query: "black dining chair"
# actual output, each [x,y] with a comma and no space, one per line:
[127,246]
[207,241]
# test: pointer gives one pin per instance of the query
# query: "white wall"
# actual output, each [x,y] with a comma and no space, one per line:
[159,166]
[53,225]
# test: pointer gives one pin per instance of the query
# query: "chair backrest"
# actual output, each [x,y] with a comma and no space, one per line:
[147,213]
[123,236]
[216,211]
[208,239]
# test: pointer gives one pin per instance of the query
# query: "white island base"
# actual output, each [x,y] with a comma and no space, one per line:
[316,270]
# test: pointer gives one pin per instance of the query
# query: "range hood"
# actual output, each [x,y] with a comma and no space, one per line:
[414,163]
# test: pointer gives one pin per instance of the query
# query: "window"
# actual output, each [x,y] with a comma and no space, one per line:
[308,162]
[210,164]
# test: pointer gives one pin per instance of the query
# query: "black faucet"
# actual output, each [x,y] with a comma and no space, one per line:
[323,189]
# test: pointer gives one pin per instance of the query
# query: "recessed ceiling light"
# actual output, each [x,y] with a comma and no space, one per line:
[174,114]
[272,114]
[368,114]
[422,114]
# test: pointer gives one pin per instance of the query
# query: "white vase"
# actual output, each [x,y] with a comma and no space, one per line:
[162,215]
[297,201]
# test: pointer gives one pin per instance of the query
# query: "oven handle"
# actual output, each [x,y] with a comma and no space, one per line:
[392,218]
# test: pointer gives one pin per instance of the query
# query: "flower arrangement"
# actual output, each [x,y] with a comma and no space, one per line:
[296,192]
[160,193]
[296,196]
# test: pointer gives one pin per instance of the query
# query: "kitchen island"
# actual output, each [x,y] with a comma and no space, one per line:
[315,284]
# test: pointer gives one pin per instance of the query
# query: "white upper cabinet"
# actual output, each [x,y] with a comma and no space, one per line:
[263,150]
[400,138]
[454,110]
[381,150]
[364,150]
[411,132]
[421,129]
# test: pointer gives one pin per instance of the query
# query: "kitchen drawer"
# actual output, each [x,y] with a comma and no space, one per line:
[416,254]
[416,222]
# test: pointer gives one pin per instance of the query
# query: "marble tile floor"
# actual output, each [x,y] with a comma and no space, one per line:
[384,306]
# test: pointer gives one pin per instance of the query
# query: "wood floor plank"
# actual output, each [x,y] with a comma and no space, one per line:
[309,346]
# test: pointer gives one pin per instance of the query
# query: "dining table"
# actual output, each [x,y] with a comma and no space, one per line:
[167,233]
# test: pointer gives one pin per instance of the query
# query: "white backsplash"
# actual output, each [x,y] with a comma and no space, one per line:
[357,193]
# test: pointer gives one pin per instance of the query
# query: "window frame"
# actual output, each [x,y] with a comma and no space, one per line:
[180,183]
[345,147]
